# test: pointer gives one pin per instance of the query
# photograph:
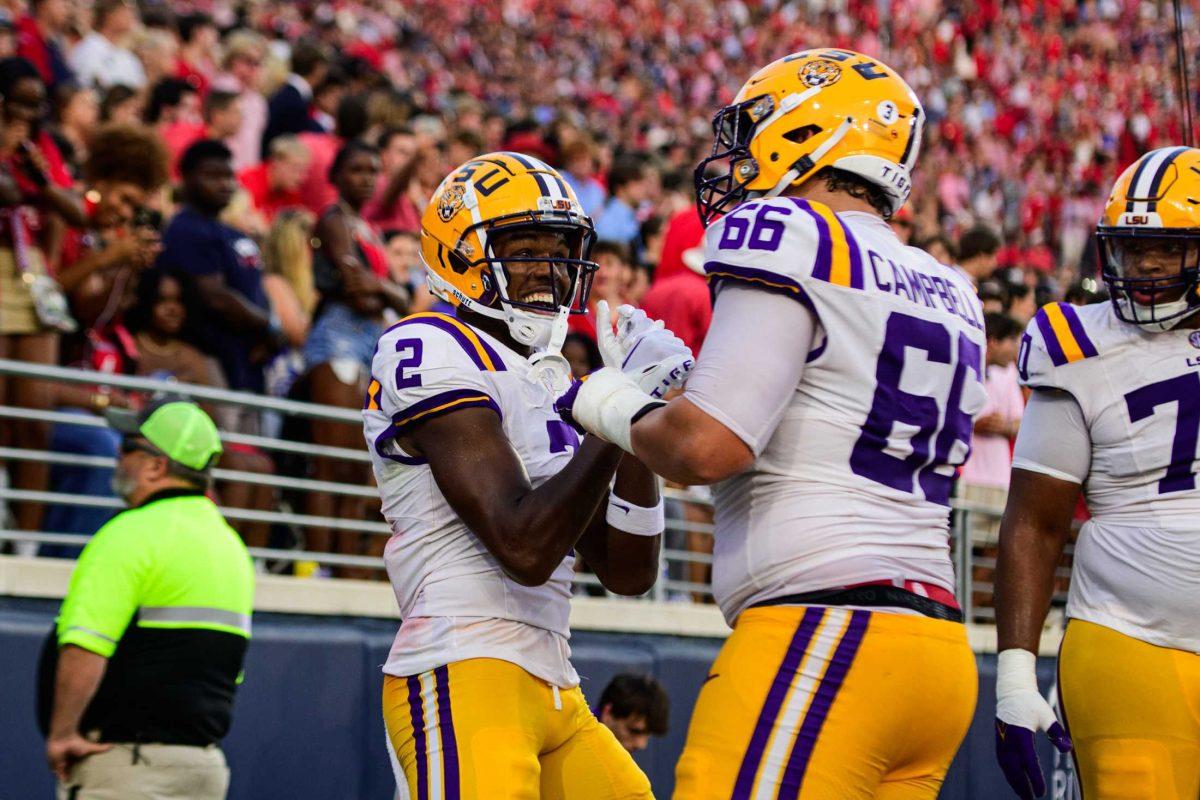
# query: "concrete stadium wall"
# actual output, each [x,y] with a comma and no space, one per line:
[307,723]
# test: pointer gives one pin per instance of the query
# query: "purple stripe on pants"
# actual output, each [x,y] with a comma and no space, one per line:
[418,724]
[818,708]
[441,677]
[775,697]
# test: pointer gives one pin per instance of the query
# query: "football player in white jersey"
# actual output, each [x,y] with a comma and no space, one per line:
[831,404]
[1115,412]
[489,493]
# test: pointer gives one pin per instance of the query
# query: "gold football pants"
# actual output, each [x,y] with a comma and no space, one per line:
[486,729]
[1133,712]
[817,703]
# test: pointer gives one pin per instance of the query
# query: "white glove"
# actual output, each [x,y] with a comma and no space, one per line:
[606,404]
[643,349]
[1021,712]
[1018,701]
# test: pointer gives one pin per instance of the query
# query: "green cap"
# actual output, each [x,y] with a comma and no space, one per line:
[180,429]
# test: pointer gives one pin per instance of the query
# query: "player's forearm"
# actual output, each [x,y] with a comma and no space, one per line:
[683,444]
[628,564]
[1033,533]
[1025,569]
[546,522]
[1024,585]
[76,680]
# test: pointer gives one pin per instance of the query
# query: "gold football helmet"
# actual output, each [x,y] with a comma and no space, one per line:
[1149,239]
[493,195]
[808,111]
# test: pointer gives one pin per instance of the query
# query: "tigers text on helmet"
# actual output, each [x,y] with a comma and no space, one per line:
[495,196]
[808,111]
[1149,239]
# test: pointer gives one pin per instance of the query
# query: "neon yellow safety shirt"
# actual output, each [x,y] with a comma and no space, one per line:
[165,592]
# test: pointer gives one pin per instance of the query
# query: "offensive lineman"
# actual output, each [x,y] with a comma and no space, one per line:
[832,401]
[488,492]
[1115,411]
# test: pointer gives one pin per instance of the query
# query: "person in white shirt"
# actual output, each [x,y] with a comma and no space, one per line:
[101,58]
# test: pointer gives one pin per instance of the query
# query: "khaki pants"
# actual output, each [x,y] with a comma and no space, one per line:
[159,772]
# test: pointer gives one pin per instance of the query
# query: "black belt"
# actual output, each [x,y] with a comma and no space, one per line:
[868,596]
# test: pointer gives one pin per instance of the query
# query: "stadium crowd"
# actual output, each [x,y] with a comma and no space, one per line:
[229,193]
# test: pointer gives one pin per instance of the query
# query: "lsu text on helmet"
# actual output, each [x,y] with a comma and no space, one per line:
[490,197]
[808,111]
[1149,239]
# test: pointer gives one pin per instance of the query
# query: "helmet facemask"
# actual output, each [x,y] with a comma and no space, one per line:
[551,286]
[1157,295]
[733,129]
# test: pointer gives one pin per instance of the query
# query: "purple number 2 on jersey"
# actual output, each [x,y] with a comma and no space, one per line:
[1185,391]
[892,405]
[413,359]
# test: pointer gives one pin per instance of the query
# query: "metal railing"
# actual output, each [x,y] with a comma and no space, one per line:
[686,552]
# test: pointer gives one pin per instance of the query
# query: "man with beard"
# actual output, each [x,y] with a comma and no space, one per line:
[137,682]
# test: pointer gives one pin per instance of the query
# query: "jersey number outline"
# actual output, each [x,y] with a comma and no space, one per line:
[1184,391]
[891,404]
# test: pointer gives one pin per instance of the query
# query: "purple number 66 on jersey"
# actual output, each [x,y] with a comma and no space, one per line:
[892,405]
[761,233]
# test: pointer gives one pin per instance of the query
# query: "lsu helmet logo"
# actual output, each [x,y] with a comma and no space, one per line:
[821,72]
[450,201]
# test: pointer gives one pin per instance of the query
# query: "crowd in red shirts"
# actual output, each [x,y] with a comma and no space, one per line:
[1033,108]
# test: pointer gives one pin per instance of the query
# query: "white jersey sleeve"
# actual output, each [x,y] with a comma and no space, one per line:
[1054,343]
[425,366]
[1053,438]
[743,247]
[763,357]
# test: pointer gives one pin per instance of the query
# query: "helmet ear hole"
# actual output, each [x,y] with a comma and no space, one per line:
[801,135]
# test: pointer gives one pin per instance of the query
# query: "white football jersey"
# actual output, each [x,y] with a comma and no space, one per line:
[1137,561]
[455,599]
[854,484]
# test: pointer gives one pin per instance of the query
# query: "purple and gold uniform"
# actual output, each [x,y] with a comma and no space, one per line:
[846,676]
[1129,673]
[480,699]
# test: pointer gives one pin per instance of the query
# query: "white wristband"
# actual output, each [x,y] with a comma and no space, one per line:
[607,403]
[637,520]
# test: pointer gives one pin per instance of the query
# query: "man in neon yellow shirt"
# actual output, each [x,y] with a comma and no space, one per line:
[154,627]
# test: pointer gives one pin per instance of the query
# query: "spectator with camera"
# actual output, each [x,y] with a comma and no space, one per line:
[126,169]
[36,206]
